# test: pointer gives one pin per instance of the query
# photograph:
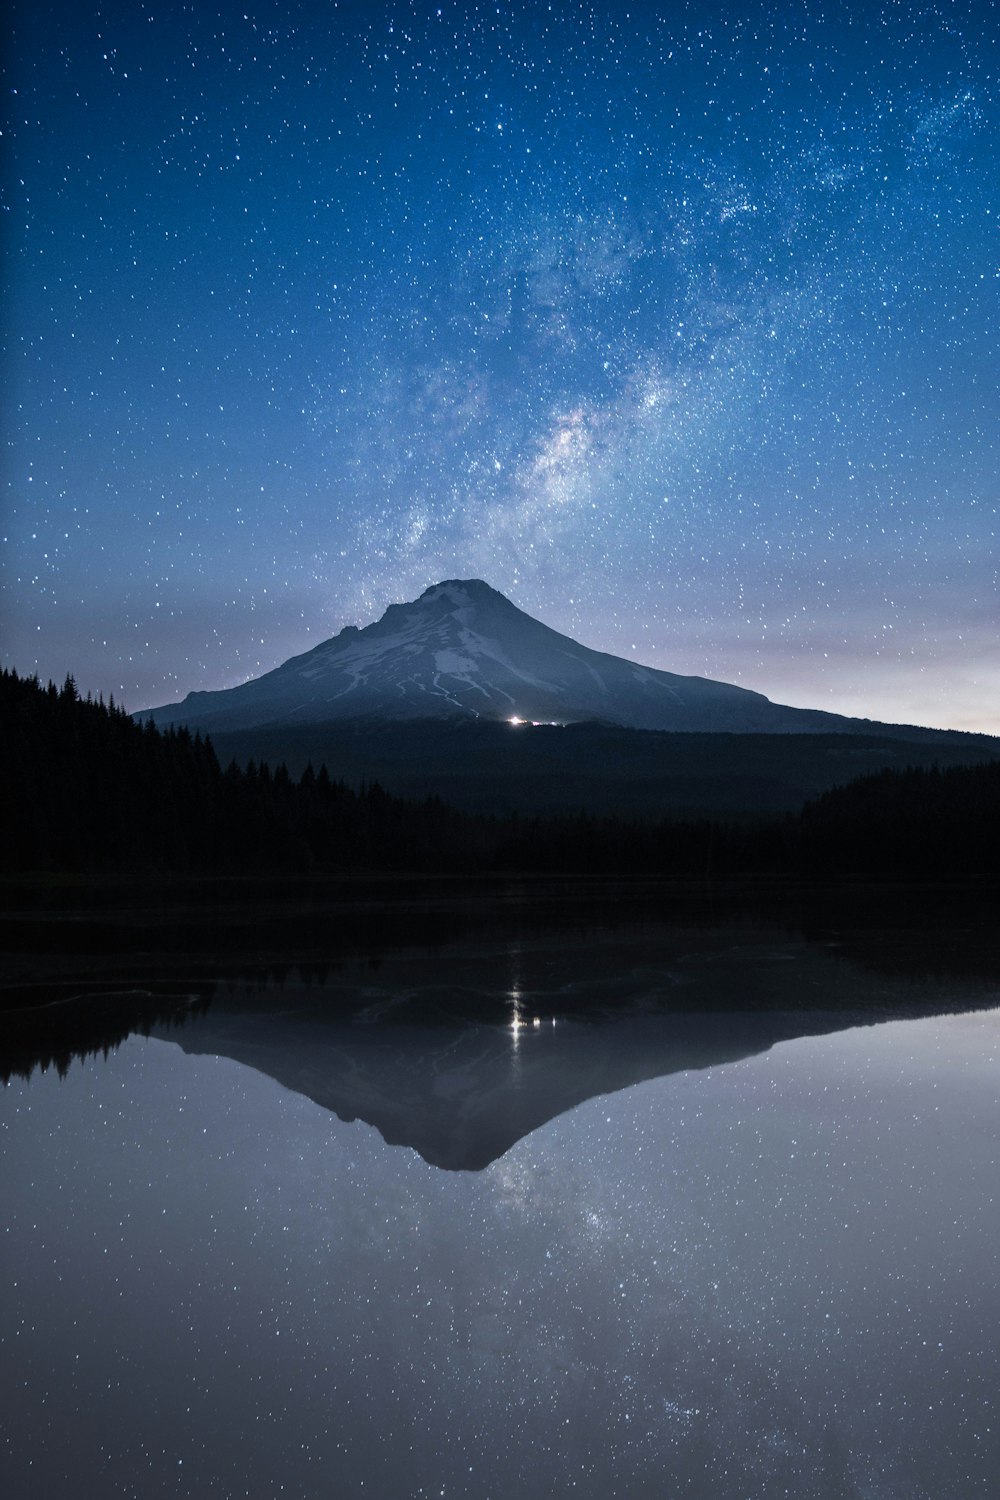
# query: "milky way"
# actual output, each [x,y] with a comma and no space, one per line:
[679,327]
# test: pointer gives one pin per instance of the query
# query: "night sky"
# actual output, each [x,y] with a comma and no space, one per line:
[679,326]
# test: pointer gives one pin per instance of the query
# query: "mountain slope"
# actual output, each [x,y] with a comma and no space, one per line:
[462,649]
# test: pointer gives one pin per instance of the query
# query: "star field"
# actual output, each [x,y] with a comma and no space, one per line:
[678,325]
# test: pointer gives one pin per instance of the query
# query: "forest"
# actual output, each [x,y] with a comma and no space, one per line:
[85,788]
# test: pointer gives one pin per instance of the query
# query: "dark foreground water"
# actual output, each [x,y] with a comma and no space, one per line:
[660,1243]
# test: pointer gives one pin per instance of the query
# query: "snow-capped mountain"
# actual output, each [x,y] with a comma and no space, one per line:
[464,649]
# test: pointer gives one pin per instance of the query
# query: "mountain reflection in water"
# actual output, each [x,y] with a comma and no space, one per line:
[760,1277]
[461,1054]
[462,1051]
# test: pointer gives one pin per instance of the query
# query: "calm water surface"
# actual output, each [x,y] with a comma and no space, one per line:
[766,1264]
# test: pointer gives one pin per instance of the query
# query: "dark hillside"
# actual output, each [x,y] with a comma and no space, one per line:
[549,769]
[83,787]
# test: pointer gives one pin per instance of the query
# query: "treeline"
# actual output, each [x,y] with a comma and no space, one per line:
[83,787]
[918,820]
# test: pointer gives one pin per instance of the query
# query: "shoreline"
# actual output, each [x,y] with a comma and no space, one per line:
[82,931]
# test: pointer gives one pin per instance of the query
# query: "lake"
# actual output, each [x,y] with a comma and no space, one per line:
[636,1211]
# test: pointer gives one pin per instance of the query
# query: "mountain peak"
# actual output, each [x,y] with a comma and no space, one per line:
[462,591]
